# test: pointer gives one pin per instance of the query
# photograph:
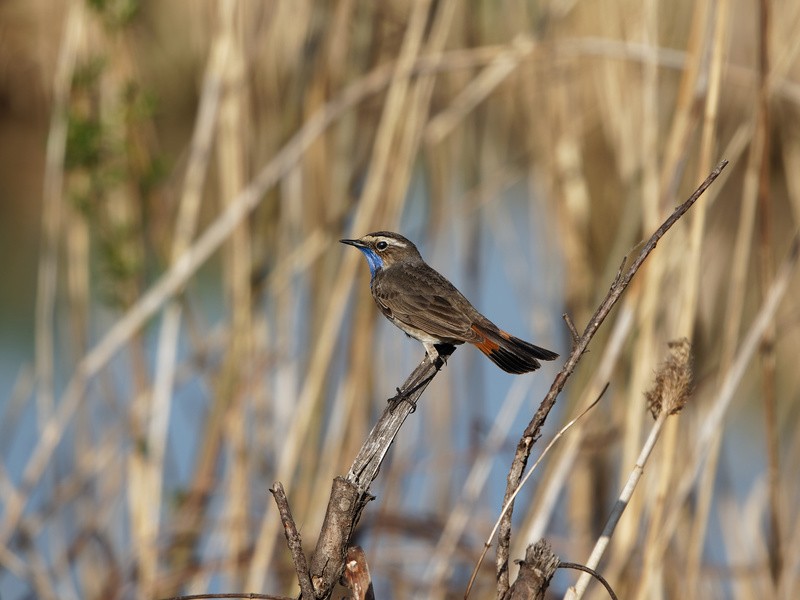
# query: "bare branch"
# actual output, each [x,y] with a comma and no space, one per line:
[366,465]
[350,494]
[533,430]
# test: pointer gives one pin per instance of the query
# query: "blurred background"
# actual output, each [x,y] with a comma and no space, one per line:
[180,328]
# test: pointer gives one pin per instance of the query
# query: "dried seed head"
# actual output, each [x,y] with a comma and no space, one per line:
[673,384]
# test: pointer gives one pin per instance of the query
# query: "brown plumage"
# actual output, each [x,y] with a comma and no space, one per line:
[424,304]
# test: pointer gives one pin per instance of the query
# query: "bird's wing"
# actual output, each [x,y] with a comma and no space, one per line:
[424,300]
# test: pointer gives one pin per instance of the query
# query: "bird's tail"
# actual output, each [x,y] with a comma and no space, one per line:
[510,353]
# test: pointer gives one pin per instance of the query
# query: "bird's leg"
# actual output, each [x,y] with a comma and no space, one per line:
[443,352]
[437,357]
[432,355]
[432,351]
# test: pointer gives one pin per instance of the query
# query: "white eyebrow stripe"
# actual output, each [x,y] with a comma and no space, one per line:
[394,242]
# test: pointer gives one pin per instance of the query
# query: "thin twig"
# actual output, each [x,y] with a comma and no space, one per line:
[593,573]
[488,543]
[572,329]
[293,541]
[533,430]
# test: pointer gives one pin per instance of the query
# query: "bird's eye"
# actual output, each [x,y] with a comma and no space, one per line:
[381,245]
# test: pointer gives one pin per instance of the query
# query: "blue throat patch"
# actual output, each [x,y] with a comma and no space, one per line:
[374,261]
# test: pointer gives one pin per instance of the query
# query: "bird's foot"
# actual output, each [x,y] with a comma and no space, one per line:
[395,400]
[442,353]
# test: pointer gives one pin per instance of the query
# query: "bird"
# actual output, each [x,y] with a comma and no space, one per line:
[427,307]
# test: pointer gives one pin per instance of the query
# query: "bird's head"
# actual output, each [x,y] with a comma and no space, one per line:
[384,249]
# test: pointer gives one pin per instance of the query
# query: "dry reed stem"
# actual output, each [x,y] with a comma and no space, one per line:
[229,534]
[415,117]
[52,209]
[766,270]
[232,163]
[47,277]
[686,109]
[731,330]
[643,147]
[736,293]
[644,345]
[166,353]
[576,592]
[690,266]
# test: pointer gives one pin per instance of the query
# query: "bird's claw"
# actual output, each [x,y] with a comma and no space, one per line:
[401,396]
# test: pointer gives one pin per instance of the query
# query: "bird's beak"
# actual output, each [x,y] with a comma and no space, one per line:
[356,243]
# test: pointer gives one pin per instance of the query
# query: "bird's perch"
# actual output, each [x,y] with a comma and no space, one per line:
[350,494]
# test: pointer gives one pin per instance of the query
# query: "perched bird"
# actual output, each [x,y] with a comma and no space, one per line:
[429,308]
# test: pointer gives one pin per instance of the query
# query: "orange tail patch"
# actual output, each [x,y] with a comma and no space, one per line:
[485,345]
[511,354]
